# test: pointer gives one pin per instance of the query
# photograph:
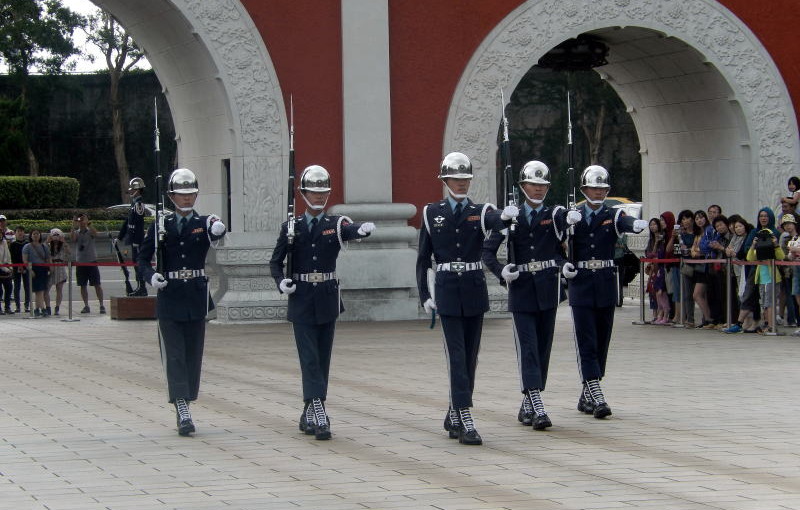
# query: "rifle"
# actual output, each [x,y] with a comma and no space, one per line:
[290,196]
[508,178]
[571,205]
[121,260]
[159,220]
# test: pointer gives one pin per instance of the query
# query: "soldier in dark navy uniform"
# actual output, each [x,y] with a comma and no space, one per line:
[593,284]
[534,284]
[313,289]
[131,233]
[183,300]
[452,234]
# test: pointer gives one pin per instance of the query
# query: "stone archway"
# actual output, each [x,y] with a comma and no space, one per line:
[228,110]
[224,96]
[714,118]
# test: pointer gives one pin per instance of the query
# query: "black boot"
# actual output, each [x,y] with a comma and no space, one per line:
[467,433]
[601,408]
[541,421]
[525,414]
[307,420]
[322,428]
[452,423]
[141,289]
[585,402]
[185,424]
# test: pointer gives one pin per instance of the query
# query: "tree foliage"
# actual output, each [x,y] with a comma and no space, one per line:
[35,35]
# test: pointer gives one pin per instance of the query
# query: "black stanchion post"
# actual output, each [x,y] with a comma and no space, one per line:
[31,294]
[729,291]
[69,294]
[682,293]
[774,329]
[641,320]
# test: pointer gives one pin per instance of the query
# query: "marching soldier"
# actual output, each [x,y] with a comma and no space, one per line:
[131,233]
[593,286]
[313,289]
[452,233]
[534,284]
[183,300]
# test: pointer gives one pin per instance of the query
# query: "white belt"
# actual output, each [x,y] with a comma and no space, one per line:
[459,267]
[315,277]
[594,264]
[534,266]
[185,274]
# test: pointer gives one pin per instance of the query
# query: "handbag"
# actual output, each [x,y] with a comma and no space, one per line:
[687,270]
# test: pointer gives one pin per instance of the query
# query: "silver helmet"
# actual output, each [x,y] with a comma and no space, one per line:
[182,181]
[534,172]
[595,176]
[457,166]
[315,178]
[135,184]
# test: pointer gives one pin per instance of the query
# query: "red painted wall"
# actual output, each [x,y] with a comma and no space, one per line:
[305,44]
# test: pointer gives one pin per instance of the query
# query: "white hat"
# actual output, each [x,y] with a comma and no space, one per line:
[56,232]
[3,217]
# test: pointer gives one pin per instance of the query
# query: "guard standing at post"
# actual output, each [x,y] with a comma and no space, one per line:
[452,233]
[534,284]
[131,233]
[593,285]
[183,299]
[313,289]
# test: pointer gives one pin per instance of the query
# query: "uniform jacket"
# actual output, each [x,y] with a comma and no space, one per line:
[180,300]
[132,230]
[597,287]
[447,240]
[317,251]
[532,291]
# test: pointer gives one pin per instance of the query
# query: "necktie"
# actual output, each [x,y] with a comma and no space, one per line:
[312,224]
[457,212]
[589,218]
[181,224]
[533,217]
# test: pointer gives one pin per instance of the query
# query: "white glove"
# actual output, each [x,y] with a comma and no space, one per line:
[157,281]
[569,271]
[573,217]
[218,228]
[114,241]
[286,286]
[509,212]
[366,228]
[509,273]
[429,305]
[639,225]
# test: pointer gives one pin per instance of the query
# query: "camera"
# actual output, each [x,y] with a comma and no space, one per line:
[765,249]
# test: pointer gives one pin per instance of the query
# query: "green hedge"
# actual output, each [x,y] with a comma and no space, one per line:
[45,219]
[38,192]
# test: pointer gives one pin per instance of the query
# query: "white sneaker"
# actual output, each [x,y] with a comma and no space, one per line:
[796,332]
[779,320]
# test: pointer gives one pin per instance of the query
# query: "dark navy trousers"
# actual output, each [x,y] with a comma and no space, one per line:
[462,341]
[314,347]
[593,336]
[533,333]
[182,345]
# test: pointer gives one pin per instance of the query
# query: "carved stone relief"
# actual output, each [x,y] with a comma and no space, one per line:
[535,27]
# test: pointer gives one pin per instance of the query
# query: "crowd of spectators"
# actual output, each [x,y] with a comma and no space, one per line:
[34,263]
[703,241]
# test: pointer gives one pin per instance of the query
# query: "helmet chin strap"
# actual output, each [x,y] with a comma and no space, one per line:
[312,206]
[459,196]
[594,202]
[184,209]
[534,201]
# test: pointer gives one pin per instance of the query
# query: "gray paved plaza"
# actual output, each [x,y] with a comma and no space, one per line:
[702,420]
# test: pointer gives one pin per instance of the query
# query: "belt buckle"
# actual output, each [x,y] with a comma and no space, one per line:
[535,266]
[316,277]
[185,274]
[458,266]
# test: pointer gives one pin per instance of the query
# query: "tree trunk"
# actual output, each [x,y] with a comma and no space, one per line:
[595,138]
[118,137]
[33,163]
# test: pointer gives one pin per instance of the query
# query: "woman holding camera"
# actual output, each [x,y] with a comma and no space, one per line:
[763,245]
